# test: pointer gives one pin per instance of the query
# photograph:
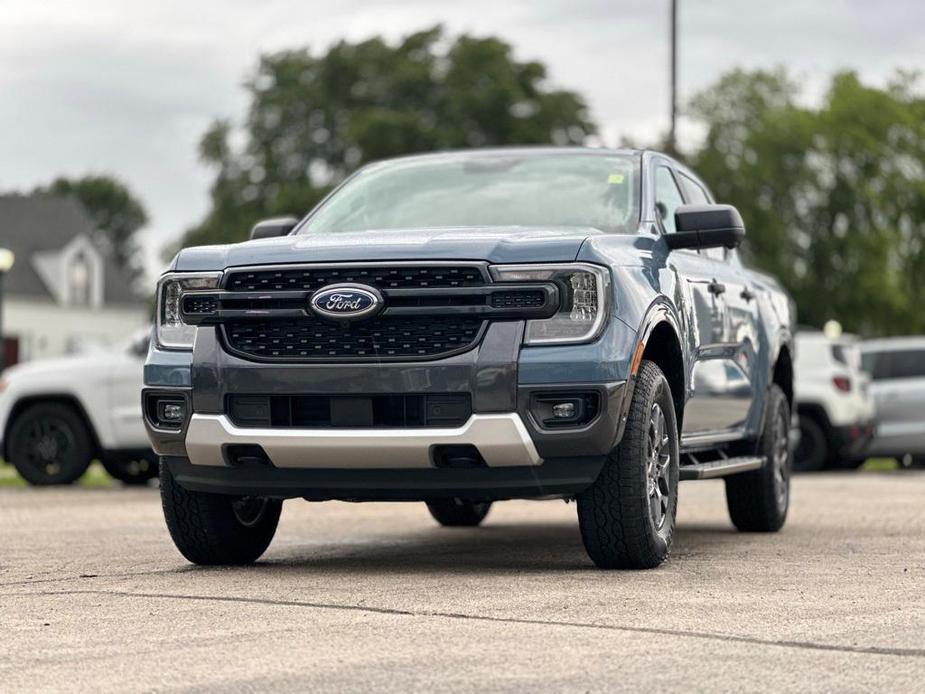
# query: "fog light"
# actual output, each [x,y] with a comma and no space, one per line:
[564,408]
[172,412]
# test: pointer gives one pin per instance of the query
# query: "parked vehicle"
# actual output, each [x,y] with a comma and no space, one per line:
[897,367]
[834,403]
[466,327]
[57,415]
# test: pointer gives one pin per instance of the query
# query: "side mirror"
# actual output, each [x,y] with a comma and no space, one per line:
[271,228]
[706,226]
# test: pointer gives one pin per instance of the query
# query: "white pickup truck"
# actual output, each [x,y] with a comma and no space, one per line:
[58,415]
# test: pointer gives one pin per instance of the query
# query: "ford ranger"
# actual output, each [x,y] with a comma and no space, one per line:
[466,327]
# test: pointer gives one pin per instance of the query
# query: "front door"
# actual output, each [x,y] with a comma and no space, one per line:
[125,382]
[724,317]
[710,408]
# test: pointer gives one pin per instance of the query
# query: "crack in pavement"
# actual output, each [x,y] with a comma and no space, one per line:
[705,635]
[84,577]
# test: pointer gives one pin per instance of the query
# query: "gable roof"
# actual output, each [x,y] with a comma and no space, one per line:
[43,224]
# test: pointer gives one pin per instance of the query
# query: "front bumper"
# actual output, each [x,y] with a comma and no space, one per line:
[521,457]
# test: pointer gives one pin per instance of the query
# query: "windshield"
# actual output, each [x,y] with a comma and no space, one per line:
[486,189]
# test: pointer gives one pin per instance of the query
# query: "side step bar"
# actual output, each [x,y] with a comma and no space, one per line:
[721,468]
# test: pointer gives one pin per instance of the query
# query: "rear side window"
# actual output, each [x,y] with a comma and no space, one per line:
[907,363]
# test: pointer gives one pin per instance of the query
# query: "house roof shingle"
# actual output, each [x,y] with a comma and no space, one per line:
[31,224]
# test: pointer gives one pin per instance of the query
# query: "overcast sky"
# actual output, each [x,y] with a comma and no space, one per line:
[128,87]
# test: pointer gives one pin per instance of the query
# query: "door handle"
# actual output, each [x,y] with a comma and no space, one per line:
[716,288]
[747,294]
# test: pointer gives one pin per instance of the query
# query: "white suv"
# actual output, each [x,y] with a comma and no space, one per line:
[56,416]
[833,399]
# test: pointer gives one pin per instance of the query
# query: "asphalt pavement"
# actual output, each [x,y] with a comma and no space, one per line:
[94,597]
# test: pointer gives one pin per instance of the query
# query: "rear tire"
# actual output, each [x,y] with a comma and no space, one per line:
[215,529]
[50,444]
[812,453]
[758,501]
[627,516]
[458,513]
[133,472]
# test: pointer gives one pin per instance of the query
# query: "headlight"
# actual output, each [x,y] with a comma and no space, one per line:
[583,292]
[172,332]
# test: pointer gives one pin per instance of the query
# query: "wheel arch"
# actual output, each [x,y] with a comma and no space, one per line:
[782,372]
[66,399]
[660,342]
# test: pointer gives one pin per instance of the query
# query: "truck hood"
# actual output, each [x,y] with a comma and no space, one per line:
[513,244]
[63,369]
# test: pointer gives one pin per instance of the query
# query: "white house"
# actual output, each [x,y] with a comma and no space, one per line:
[63,292]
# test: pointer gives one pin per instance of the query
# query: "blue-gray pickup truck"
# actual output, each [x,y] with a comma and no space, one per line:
[466,327]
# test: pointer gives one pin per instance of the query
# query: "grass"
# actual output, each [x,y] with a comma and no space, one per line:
[880,464]
[94,477]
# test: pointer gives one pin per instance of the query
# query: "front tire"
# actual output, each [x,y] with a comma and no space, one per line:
[627,516]
[50,444]
[758,501]
[215,529]
[458,513]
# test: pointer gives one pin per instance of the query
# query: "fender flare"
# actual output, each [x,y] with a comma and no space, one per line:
[659,311]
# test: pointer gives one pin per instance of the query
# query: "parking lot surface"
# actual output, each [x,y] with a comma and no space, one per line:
[376,596]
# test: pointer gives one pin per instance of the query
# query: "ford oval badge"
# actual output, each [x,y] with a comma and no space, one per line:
[346,302]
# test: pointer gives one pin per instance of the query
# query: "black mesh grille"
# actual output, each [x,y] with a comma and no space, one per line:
[193,304]
[518,299]
[397,277]
[308,338]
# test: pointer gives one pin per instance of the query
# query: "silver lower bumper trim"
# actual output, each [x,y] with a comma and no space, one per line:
[502,439]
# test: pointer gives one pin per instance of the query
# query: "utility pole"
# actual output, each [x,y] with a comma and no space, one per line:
[672,136]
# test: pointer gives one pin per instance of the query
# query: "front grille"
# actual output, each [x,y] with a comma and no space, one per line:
[384,277]
[362,411]
[430,310]
[300,339]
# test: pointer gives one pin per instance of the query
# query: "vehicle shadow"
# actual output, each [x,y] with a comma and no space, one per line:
[502,548]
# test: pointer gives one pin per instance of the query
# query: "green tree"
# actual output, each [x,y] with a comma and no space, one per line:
[116,213]
[833,196]
[315,118]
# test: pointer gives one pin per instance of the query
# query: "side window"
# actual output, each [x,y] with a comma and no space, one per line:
[667,197]
[696,195]
[907,363]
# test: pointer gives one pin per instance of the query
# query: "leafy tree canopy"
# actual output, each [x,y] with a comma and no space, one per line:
[833,196]
[315,118]
[117,214]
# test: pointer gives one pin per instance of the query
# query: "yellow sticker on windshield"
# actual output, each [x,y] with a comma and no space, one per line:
[615,178]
